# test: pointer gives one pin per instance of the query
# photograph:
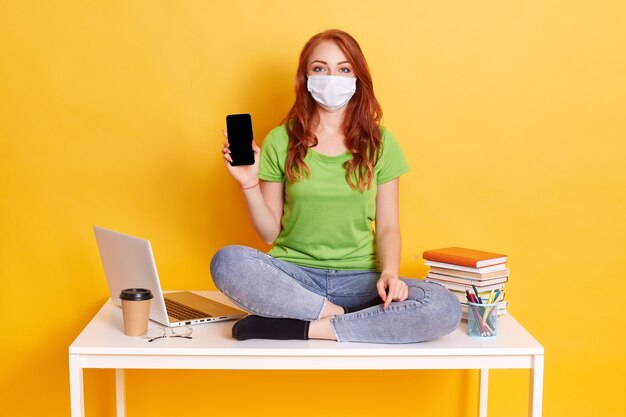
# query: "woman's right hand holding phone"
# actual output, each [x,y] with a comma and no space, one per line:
[265,207]
[245,175]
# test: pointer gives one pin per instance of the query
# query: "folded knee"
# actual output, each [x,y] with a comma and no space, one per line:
[449,311]
[440,313]
[224,263]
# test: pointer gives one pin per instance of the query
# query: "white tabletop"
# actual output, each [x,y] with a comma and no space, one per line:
[102,344]
[104,336]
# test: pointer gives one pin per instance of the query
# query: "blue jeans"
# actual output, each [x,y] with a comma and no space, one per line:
[269,287]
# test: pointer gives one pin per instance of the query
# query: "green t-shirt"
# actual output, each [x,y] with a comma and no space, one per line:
[325,223]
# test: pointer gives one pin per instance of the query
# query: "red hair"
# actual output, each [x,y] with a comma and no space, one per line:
[361,122]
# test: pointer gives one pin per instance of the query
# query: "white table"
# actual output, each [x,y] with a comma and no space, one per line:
[102,344]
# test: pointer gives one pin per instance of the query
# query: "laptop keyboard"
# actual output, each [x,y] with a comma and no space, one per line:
[182,312]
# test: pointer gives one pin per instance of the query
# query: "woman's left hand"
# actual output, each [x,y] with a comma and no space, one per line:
[391,288]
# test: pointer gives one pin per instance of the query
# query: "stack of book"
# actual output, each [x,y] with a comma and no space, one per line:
[460,269]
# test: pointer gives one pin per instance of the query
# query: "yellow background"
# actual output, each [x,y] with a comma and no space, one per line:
[511,115]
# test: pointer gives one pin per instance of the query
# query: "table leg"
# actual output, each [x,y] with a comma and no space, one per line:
[536,387]
[483,395]
[120,392]
[77,399]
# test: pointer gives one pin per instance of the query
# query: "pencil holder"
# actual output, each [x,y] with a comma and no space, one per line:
[482,320]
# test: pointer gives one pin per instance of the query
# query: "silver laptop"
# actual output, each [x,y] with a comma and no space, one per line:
[129,263]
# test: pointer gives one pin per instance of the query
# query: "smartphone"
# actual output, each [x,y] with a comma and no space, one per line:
[239,128]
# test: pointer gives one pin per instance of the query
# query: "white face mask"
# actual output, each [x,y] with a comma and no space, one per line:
[331,91]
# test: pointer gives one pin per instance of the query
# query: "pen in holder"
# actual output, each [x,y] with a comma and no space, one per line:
[482,319]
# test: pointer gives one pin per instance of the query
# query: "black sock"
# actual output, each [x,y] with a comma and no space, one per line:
[256,327]
[376,301]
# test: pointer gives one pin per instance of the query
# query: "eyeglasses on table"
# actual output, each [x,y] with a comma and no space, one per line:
[156,333]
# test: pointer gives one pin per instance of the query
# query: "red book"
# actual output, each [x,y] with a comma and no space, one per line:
[470,258]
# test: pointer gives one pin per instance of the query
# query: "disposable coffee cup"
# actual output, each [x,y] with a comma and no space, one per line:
[136,310]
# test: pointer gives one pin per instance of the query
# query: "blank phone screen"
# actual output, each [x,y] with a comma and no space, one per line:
[239,127]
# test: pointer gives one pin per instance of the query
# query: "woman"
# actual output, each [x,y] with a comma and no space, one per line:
[313,192]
